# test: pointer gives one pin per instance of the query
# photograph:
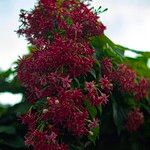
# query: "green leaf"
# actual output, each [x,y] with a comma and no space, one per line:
[139,64]
[91,109]
[95,134]
[5,74]
[59,2]
[104,47]
[16,142]
[69,21]
[76,82]
[75,147]
[93,73]
[21,108]
[100,109]
[129,102]
[39,104]
[118,115]
[146,107]
[7,129]
[3,110]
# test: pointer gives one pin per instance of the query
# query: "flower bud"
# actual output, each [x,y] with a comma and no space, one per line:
[57,101]
[45,111]
[91,133]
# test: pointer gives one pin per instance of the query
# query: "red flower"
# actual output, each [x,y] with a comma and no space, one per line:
[41,140]
[77,123]
[126,78]
[90,86]
[135,120]
[30,120]
[70,18]
[94,123]
[106,67]
[95,96]
[66,82]
[141,89]
[103,99]
[106,85]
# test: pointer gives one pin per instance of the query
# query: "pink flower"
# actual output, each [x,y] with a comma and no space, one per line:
[66,82]
[94,123]
[103,99]
[90,86]
[52,137]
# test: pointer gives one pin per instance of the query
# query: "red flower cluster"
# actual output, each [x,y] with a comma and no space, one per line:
[135,120]
[51,17]
[106,85]
[59,32]
[142,89]
[107,67]
[125,78]
[67,111]
[29,119]
[128,81]
[44,141]
[95,96]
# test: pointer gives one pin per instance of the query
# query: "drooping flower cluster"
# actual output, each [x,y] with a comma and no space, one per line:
[66,56]
[67,111]
[59,32]
[107,67]
[126,79]
[42,140]
[135,120]
[106,85]
[96,96]
[70,18]
[142,89]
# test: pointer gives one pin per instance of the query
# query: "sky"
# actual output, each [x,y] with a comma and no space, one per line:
[127,22]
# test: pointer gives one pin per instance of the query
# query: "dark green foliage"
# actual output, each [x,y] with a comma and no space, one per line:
[9,85]
[11,130]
